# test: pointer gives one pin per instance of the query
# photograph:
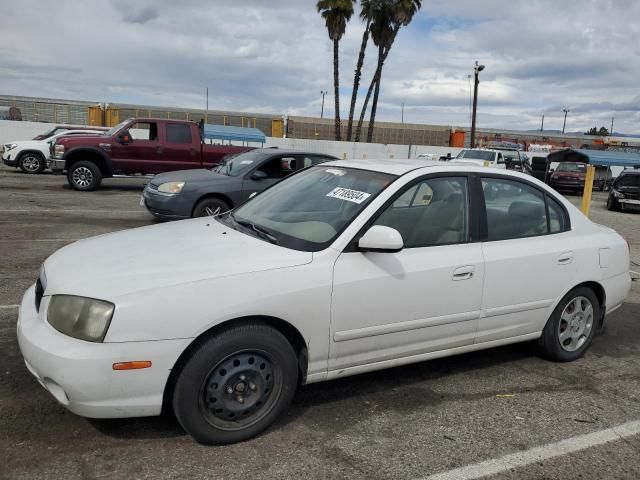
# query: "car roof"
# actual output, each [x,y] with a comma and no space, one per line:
[282,151]
[400,166]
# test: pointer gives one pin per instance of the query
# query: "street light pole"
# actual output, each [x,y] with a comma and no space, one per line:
[611,131]
[542,124]
[564,124]
[323,93]
[402,114]
[476,70]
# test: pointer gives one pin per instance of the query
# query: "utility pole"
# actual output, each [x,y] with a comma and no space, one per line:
[206,112]
[323,93]
[476,69]
[402,114]
[611,131]
[542,124]
[564,124]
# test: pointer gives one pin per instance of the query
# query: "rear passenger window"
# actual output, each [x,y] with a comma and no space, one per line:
[429,213]
[514,210]
[178,133]
[557,217]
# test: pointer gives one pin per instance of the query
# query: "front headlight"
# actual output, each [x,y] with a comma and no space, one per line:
[617,194]
[58,150]
[171,187]
[80,317]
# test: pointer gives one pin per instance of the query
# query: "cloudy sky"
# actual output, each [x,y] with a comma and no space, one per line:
[274,56]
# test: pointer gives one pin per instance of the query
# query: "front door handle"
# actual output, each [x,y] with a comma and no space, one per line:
[565,258]
[463,273]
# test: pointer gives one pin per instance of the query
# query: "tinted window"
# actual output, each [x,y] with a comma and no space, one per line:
[514,210]
[178,133]
[628,181]
[310,160]
[279,167]
[432,212]
[557,217]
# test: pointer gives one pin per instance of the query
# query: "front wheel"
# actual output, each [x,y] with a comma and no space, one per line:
[84,176]
[569,330]
[235,384]
[612,204]
[210,207]
[32,163]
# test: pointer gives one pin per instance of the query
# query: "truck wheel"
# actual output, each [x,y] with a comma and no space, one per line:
[210,206]
[84,176]
[235,384]
[31,163]
[569,330]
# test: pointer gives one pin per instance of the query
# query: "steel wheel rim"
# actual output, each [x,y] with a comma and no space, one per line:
[576,323]
[240,390]
[82,176]
[31,163]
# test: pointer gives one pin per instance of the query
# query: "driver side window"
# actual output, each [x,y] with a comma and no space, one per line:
[279,167]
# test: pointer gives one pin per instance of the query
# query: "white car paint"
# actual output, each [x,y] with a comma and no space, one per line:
[357,311]
[41,146]
[497,159]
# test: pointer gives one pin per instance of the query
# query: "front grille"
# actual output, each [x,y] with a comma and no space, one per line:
[39,293]
[632,195]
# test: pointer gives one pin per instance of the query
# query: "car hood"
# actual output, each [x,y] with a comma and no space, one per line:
[196,175]
[627,188]
[31,144]
[162,255]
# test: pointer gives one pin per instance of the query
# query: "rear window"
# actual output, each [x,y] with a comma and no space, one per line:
[572,167]
[177,133]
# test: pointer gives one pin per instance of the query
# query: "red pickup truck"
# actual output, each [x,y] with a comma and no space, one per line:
[135,146]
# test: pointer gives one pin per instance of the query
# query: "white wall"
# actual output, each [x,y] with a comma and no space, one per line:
[11,131]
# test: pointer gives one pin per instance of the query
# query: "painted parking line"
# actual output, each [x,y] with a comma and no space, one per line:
[537,454]
[9,307]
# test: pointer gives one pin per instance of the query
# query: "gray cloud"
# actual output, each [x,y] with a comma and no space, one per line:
[261,55]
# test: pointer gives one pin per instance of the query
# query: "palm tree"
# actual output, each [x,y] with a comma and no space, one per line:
[367,10]
[336,14]
[388,20]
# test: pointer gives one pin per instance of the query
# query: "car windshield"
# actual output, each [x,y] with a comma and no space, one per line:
[572,167]
[113,130]
[476,154]
[240,164]
[308,210]
[628,181]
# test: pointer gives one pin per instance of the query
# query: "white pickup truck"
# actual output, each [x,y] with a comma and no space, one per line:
[482,157]
[30,156]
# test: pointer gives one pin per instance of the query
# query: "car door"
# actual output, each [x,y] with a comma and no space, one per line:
[528,255]
[180,150]
[270,171]
[141,152]
[424,298]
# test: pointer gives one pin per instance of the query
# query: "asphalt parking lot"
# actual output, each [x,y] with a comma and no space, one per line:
[405,423]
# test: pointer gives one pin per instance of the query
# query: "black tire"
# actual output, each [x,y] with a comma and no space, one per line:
[84,176]
[612,204]
[550,343]
[235,384]
[31,162]
[210,206]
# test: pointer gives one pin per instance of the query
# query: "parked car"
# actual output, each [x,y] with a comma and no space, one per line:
[517,160]
[625,191]
[31,155]
[540,168]
[571,176]
[137,145]
[482,157]
[343,268]
[55,130]
[198,193]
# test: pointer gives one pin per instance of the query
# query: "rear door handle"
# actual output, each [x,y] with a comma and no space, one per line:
[565,258]
[463,273]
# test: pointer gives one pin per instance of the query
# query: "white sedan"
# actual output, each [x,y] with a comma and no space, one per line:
[343,268]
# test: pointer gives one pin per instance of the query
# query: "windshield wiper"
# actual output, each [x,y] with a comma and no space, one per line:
[260,231]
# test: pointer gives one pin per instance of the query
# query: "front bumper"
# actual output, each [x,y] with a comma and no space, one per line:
[10,158]
[79,374]
[56,164]
[566,184]
[166,207]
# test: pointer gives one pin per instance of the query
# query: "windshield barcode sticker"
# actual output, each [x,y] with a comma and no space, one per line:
[349,195]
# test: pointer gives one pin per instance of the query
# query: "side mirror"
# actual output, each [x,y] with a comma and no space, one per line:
[381,239]
[258,175]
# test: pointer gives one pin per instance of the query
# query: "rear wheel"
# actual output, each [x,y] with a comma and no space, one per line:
[84,176]
[209,207]
[31,163]
[235,384]
[569,330]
